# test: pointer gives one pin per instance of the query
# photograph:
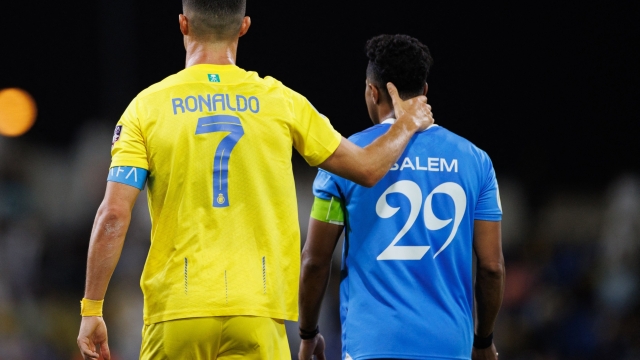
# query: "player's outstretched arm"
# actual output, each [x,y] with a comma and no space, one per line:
[487,243]
[315,269]
[366,166]
[107,238]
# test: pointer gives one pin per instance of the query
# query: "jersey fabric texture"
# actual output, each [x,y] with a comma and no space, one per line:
[217,142]
[406,289]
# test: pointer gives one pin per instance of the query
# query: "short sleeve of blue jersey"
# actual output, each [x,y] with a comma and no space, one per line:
[325,186]
[489,207]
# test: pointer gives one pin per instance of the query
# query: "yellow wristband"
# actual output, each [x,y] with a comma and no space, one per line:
[91,307]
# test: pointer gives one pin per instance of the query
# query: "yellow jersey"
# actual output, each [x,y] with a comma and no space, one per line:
[217,143]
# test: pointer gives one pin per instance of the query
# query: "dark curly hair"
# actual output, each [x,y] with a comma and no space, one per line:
[399,59]
[220,19]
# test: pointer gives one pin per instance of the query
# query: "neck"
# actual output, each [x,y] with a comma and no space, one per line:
[219,53]
[385,112]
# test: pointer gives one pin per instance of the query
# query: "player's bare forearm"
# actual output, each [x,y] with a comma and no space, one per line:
[107,237]
[313,284]
[490,274]
[366,166]
[315,269]
[489,289]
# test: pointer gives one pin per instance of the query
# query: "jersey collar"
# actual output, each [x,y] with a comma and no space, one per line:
[391,121]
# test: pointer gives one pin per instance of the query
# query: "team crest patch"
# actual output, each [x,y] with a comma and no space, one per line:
[116,135]
[214,78]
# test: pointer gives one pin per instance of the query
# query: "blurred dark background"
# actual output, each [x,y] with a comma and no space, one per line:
[549,90]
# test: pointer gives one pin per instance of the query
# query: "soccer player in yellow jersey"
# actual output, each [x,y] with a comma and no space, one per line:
[213,144]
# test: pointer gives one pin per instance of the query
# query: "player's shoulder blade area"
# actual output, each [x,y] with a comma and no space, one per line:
[451,136]
[368,135]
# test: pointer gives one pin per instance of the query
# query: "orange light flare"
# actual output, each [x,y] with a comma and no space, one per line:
[17,112]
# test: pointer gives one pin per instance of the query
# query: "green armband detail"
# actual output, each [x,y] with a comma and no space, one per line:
[329,211]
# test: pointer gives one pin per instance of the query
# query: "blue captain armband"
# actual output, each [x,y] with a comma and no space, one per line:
[128,175]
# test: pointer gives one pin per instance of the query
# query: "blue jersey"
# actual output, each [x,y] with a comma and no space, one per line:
[407,287]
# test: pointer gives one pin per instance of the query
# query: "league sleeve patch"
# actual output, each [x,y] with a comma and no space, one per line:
[116,135]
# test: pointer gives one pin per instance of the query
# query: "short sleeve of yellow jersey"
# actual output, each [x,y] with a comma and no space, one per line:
[128,147]
[312,133]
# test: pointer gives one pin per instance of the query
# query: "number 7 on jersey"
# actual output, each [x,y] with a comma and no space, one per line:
[221,123]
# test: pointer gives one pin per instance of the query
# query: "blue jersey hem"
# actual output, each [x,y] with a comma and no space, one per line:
[406,357]
[487,217]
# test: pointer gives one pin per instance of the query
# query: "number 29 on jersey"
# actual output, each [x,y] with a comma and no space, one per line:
[413,192]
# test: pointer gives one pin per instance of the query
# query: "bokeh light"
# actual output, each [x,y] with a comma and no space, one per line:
[17,112]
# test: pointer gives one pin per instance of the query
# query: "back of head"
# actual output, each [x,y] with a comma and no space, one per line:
[400,59]
[215,20]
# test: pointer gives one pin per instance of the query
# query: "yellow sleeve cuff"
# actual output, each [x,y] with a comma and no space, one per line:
[330,147]
[91,307]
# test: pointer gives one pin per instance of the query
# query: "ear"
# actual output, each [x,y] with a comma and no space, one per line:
[246,23]
[184,24]
[375,93]
[426,88]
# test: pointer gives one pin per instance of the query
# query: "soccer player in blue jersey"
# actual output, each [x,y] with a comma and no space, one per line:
[406,288]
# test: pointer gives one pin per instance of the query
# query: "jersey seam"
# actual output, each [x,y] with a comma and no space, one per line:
[127,162]
[144,94]
[413,356]
[174,315]
[496,217]
[329,150]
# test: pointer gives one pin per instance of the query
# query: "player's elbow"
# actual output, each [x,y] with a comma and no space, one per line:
[313,264]
[491,270]
[369,176]
[370,181]
[113,213]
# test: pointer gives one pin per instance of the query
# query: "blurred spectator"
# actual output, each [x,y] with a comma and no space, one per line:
[620,246]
